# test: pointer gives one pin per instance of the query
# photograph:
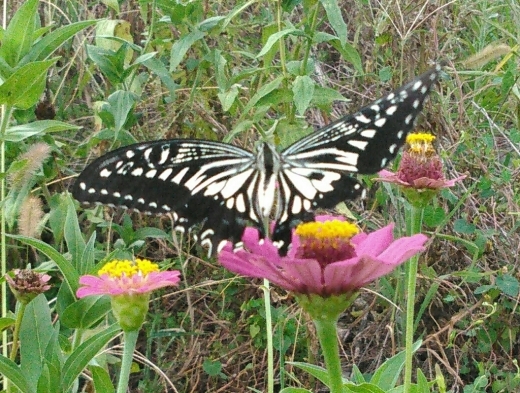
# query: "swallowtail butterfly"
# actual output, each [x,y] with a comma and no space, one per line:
[216,189]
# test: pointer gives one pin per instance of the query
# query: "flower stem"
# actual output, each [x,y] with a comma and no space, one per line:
[269,335]
[326,330]
[126,364]
[414,226]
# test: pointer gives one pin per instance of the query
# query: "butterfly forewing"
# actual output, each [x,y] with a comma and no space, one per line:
[193,180]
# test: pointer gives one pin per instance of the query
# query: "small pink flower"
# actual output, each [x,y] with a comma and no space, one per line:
[124,277]
[26,284]
[340,263]
[420,167]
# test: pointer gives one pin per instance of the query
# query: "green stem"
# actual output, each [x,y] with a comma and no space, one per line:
[16,333]
[414,227]
[326,330]
[6,114]
[269,334]
[126,364]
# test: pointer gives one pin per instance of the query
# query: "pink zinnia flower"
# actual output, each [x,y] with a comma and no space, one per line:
[125,277]
[420,166]
[326,258]
[129,285]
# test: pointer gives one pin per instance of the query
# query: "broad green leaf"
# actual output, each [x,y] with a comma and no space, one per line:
[348,52]
[273,39]
[101,379]
[12,372]
[108,62]
[228,97]
[335,18]
[121,104]
[86,312]
[114,4]
[74,237]
[316,371]
[462,226]
[45,47]
[264,90]
[508,285]
[25,86]
[24,131]
[295,390]
[181,47]
[82,355]
[158,68]
[387,375]
[323,97]
[303,91]
[70,274]
[36,333]
[88,257]
[18,36]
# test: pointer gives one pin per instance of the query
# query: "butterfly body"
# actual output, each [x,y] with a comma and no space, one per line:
[219,188]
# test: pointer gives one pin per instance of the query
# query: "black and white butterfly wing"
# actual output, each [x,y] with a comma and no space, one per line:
[316,170]
[196,181]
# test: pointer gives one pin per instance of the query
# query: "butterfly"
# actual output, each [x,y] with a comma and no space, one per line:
[215,190]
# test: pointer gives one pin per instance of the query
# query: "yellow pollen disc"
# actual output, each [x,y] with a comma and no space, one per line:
[327,230]
[420,137]
[118,268]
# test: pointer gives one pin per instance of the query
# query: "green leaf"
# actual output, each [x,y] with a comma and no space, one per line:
[387,375]
[181,47]
[70,274]
[82,355]
[434,216]
[273,39]
[303,91]
[158,68]
[111,65]
[24,131]
[101,379]
[462,226]
[228,97]
[264,90]
[6,323]
[316,371]
[121,102]
[295,390]
[335,18]
[86,312]
[12,372]
[212,368]
[36,334]
[18,36]
[45,47]
[363,388]
[25,86]
[74,237]
[508,285]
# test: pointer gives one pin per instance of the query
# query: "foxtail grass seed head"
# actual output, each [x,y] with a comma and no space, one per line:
[489,53]
[32,161]
[31,214]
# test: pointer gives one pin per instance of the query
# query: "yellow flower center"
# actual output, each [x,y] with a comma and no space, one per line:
[118,268]
[327,230]
[327,241]
[421,144]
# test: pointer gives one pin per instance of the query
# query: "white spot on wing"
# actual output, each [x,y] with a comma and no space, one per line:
[137,172]
[361,145]
[362,119]
[391,110]
[129,154]
[178,177]
[165,174]
[368,133]
[381,122]
[105,173]
[151,173]
[83,186]
[416,85]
